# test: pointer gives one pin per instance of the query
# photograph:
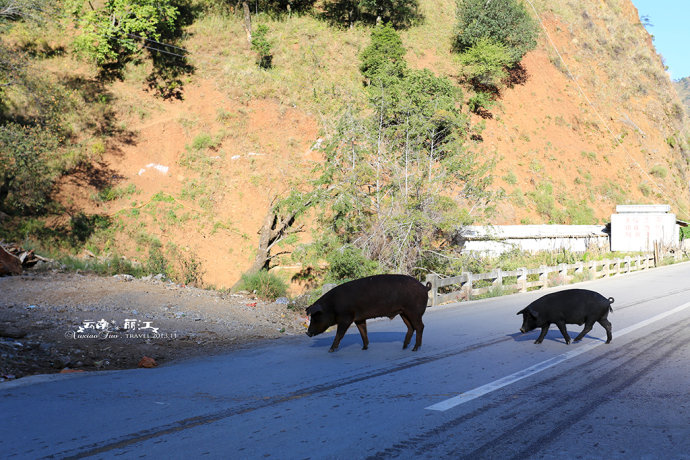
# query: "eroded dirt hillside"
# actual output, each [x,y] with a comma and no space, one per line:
[591,122]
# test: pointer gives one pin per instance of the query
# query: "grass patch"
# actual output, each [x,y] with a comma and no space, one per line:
[264,284]
[114,193]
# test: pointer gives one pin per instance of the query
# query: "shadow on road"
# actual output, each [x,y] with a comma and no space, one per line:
[554,335]
[351,339]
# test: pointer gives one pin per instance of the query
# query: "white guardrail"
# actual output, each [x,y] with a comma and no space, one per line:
[462,287]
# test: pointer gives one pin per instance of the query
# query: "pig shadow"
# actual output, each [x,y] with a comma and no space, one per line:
[353,338]
[554,335]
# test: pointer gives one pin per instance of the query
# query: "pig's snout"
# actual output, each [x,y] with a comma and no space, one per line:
[522,329]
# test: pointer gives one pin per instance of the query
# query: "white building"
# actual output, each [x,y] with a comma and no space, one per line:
[637,227]
[633,228]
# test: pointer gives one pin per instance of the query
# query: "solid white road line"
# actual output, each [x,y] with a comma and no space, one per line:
[512,378]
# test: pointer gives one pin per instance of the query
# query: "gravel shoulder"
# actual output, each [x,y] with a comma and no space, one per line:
[67,322]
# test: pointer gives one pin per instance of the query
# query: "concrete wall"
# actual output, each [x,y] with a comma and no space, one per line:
[495,240]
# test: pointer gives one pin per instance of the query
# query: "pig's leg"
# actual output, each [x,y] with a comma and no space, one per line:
[585,331]
[362,326]
[607,325]
[413,324]
[419,327]
[410,330]
[340,333]
[564,331]
[544,330]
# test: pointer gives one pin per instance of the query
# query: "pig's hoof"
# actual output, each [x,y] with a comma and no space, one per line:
[415,349]
[537,342]
[332,350]
[365,347]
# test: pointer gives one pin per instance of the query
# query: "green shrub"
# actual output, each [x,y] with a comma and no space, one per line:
[684,233]
[157,262]
[349,263]
[510,178]
[202,141]
[502,21]
[480,101]
[265,284]
[262,46]
[645,189]
[484,63]
[190,273]
[384,55]
[659,171]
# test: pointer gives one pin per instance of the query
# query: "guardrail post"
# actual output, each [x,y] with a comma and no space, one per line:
[468,285]
[563,272]
[543,277]
[522,280]
[498,280]
[579,268]
[593,269]
[627,264]
[433,279]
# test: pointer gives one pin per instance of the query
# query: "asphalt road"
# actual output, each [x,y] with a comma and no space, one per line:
[476,389]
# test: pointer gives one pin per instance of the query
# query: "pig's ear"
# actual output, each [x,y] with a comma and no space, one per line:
[532,312]
[521,311]
[314,309]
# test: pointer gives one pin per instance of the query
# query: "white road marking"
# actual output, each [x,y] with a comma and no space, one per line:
[512,378]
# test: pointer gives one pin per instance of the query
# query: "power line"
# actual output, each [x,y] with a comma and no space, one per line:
[157,42]
[162,51]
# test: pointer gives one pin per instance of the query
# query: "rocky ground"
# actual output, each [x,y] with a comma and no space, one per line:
[65,322]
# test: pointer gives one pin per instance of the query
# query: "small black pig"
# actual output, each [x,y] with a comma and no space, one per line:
[572,306]
[371,297]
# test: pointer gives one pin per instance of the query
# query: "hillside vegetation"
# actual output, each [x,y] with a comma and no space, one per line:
[683,88]
[317,143]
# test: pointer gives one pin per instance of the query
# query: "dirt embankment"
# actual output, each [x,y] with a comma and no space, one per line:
[66,322]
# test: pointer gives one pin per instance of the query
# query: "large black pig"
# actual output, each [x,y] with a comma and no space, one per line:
[572,306]
[371,297]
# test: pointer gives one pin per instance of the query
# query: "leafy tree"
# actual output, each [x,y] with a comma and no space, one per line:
[28,167]
[283,6]
[111,35]
[505,22]
[398,13]
[397,181]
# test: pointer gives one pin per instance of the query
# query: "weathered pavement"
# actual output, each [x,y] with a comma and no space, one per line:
[293,399]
